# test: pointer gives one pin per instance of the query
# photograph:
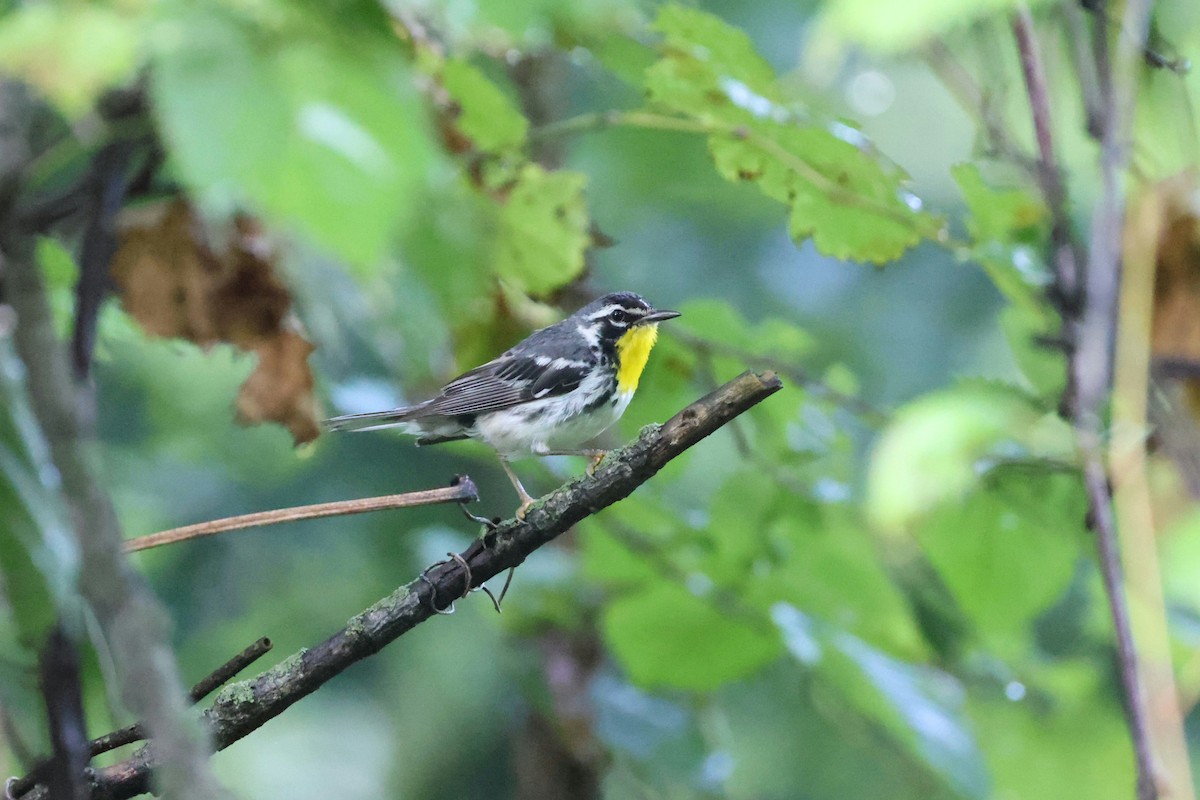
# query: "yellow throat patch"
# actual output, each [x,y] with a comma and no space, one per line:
[633,351]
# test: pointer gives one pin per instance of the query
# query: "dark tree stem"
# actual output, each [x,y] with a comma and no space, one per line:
[1066,260]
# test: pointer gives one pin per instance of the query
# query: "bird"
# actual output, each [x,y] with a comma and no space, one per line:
[554,391]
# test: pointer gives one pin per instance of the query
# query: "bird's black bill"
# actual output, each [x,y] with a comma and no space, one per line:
[659,316]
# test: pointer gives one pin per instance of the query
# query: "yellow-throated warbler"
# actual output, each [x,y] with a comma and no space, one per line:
[549,394]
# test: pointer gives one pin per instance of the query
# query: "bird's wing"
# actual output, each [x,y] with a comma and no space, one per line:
[510,380]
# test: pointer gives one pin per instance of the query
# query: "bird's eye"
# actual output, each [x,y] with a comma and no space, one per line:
[617,315]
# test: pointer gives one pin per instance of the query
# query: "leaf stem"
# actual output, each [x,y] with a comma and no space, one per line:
[649,120]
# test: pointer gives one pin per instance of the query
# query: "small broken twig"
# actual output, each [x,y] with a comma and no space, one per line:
[462,490]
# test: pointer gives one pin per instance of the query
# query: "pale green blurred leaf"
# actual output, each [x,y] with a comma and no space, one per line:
[889,27]
[708,51]
[828,565]
[665,636]
[310,130]
[1028,330]
[1075,745]
[543,230]
[1001,214]
[936,446]
[60,273]
[1180,560]
[71,51]
[488,117]
[1006,228]
[1009,548]
[920,706]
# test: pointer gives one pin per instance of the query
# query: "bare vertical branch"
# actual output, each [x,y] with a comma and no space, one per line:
[1066,261]
[131,620]
[1133,507]
[1090,312]
[1164,769]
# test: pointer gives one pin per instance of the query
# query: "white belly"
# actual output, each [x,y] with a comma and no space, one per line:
[555,423]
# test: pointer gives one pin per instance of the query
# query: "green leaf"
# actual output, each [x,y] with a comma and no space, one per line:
[543,230]
[26,589]
[71,52]
[851,206]
[38,561]
[839,193]
[1007,228]
[1045,367]
[1180,560]
[1004,215]
[827,564]
[1064,735]
[935,446]
[706,46]
[1008,550]
[61,274]
[488,117]
[738,521]
[622,54]
[667,637]
[310,130]
[919,706]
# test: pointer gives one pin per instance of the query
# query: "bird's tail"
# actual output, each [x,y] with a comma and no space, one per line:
[376,419]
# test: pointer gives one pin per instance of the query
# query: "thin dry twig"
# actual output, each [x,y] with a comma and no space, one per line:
[461,490]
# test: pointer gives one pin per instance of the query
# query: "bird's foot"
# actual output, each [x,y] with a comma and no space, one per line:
[424,577]
[597,457]
[523,509]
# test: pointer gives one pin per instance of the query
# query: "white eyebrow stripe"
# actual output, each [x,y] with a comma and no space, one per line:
[611,307]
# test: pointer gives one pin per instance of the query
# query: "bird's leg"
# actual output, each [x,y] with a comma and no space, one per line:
[594,454]
[526,499]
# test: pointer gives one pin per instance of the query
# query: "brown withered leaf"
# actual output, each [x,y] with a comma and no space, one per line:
[178,278]
[1175,330]
[280,388]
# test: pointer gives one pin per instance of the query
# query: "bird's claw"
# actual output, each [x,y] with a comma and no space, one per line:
[490,524]
[523,509]
[424,577]
[597,457]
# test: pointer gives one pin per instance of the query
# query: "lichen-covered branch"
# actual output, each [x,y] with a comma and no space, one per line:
[243,707]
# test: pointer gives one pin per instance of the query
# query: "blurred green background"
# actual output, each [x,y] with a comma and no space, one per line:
[878,584]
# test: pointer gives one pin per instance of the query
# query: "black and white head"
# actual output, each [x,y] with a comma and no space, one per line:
[612,315]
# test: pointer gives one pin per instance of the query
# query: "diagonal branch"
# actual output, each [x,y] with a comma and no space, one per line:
[243,707]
